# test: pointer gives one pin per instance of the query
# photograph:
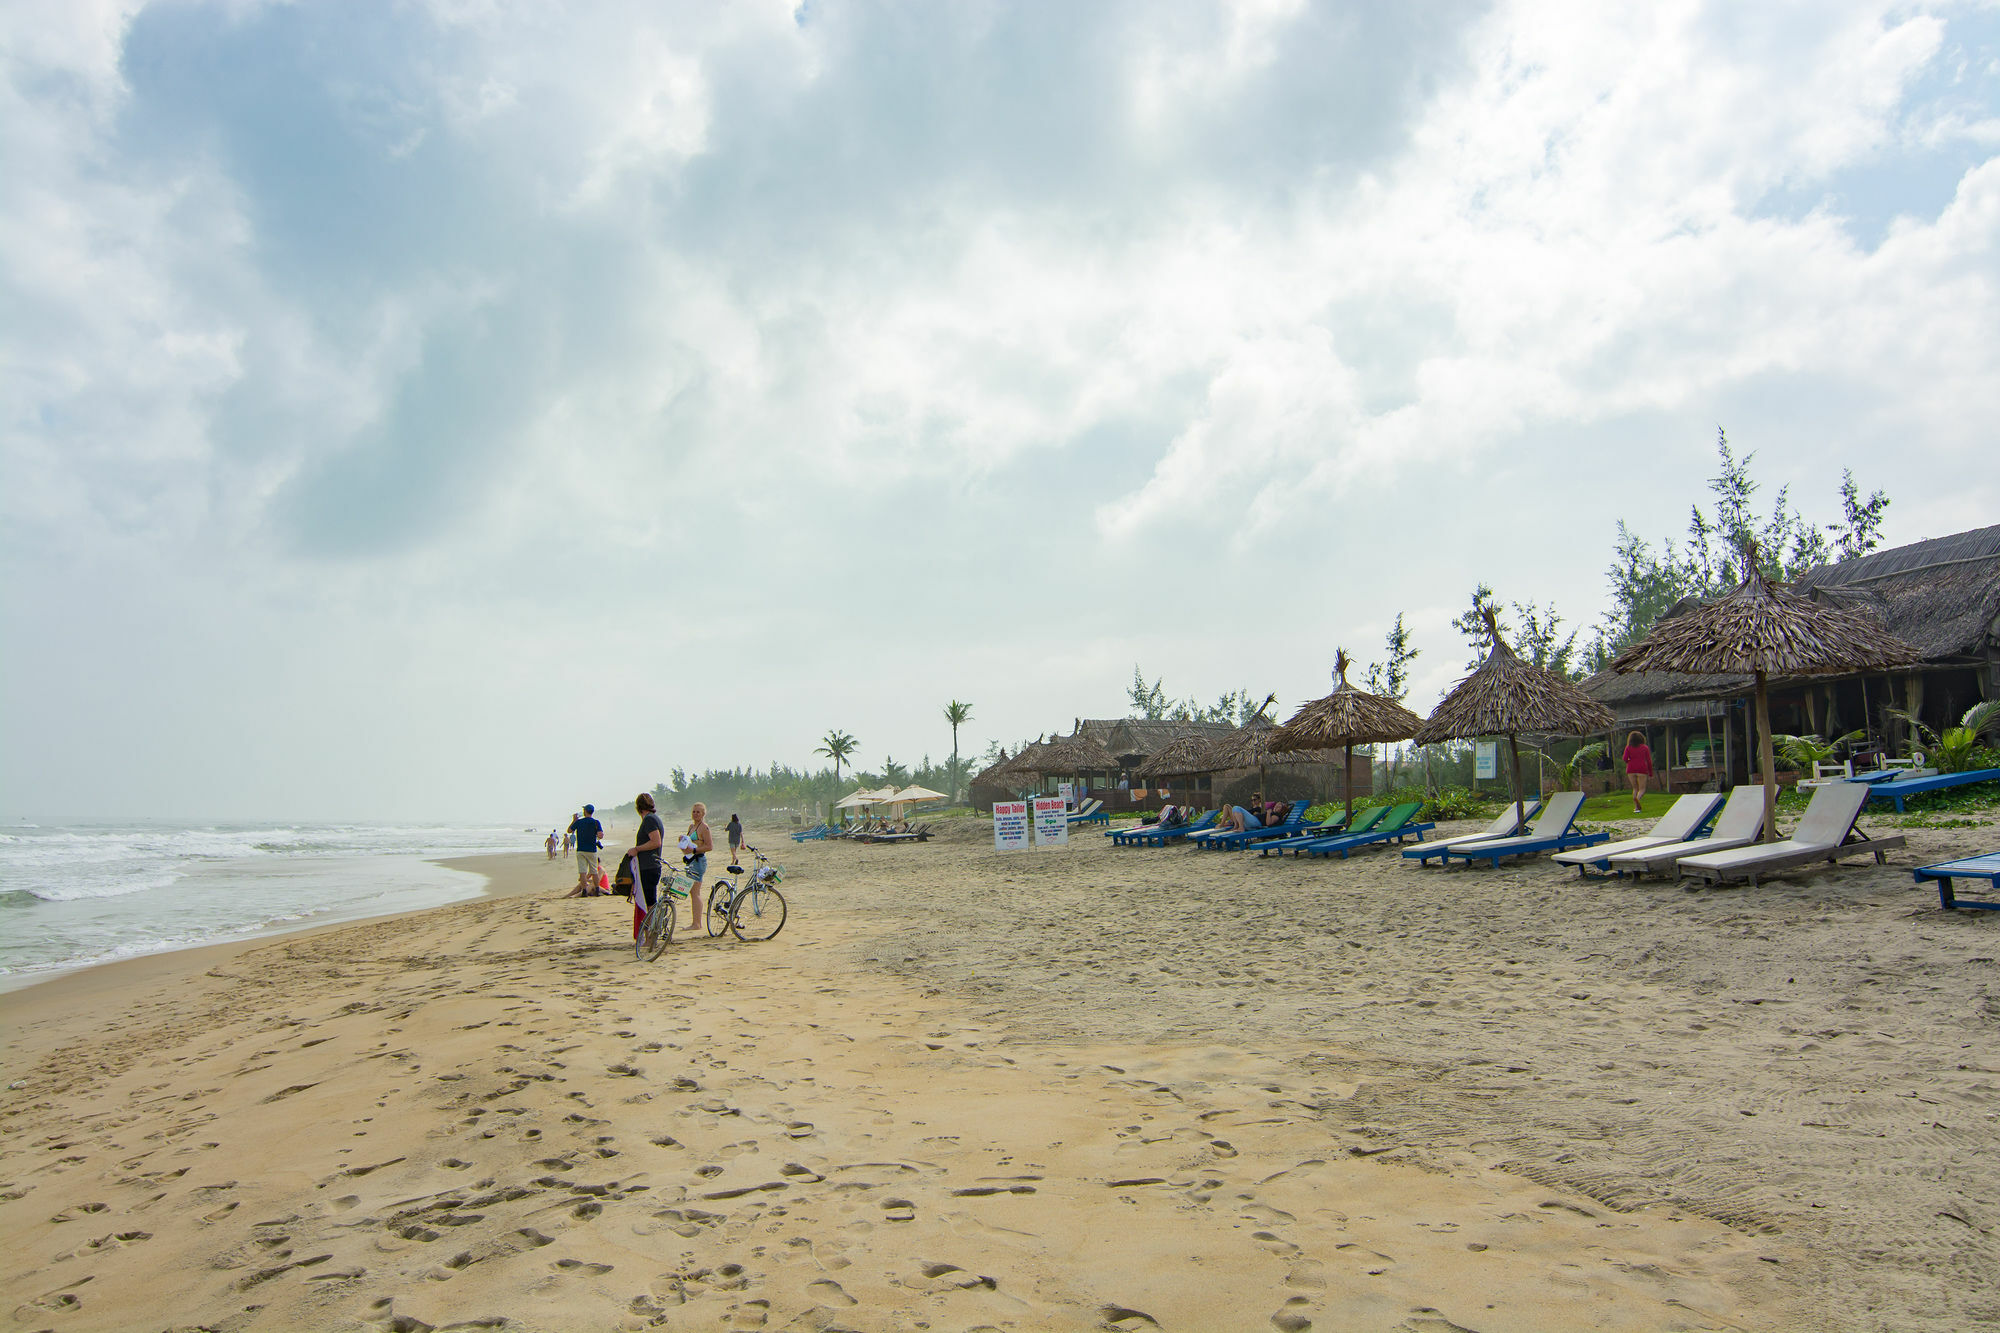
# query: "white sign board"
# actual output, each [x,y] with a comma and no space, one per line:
[1010,825]
[1486,759]
[1051,824]
[1067,791]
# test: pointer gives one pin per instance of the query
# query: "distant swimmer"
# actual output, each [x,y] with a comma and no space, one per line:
[588,831]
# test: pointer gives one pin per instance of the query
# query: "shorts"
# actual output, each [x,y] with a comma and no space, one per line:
[649,881]
[587,867]
[698,868]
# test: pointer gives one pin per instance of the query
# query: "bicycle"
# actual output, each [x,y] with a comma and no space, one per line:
[753,910]
[656,930]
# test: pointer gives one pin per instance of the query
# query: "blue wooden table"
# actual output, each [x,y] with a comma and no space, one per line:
[1985,867]
[1908,787]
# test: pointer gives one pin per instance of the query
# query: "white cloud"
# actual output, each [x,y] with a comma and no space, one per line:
[440,319]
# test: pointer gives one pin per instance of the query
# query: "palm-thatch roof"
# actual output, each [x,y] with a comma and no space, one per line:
[1063,754]
[1138,739]
[1506,696]
[1255,746]
[1346,717]
[1939,596]
[994,774]
[1767,628]
[1181,757]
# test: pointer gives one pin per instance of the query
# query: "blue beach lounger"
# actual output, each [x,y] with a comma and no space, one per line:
[1090,812]
[1310,833]
[1985,867]
[1398,824]
[1908,787]
[1294,820]
[1364,820]
[1504,825]
[1551,833]
[1152,835]
[1685,821]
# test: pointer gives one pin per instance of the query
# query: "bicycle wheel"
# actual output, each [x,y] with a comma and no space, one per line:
[717,916]
[759,913]
[660,926]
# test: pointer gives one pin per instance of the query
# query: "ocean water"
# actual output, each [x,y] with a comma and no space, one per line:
[73,894]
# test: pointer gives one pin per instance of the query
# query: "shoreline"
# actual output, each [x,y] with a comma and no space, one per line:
[495,869]
[1322,1104]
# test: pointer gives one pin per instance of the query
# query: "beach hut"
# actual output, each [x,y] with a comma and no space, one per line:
[1064,757]
[1940,595]
[1505,696]
[1346,718]
[1254,745]
[1765,629]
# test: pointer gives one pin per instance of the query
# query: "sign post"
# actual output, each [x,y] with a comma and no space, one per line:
[1067,790]
[1010,825]
[1486,760]
[1051,824]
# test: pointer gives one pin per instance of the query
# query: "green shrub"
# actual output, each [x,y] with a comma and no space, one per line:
[1449,803]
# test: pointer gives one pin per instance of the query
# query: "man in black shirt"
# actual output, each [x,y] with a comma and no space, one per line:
[588,832]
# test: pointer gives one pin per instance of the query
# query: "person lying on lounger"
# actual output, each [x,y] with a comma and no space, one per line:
[1235,819]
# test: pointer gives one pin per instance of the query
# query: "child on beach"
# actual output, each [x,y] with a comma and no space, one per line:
[695,847]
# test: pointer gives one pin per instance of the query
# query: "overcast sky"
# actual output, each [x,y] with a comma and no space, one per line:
[471,408]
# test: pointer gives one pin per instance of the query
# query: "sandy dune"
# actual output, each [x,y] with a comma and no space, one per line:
[1077,1089]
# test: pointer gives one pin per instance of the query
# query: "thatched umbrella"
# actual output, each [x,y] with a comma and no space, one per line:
[1767,629]
[1180,757]
[1348,717]
[1253,745]
[1505,697]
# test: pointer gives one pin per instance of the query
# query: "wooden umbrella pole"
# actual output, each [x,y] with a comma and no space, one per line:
[1520,807]
[1768,759]
[1347,779]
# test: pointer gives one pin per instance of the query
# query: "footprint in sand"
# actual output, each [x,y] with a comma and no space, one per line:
[76,1210]
[582,1266]
[828,1292]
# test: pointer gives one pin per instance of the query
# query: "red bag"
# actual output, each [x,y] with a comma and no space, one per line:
[603,880]
[638,914]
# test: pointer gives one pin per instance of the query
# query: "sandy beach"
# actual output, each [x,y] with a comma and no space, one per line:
[1067,1089]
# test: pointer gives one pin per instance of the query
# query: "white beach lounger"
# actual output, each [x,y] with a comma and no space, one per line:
[1504,825]
[1550,829]
[1687,814]
[1739,825]
[1826,832]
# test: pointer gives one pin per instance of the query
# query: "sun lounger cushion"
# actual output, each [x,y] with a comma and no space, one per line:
[1686,815]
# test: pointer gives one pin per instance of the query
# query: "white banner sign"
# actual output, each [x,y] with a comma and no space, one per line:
[1010,825]
[1486,759]
[1051,824]
[1067,791]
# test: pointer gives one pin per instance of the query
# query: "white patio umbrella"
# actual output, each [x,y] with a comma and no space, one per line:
[914,793]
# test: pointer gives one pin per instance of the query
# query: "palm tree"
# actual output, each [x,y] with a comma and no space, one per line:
[837,745]
[956,713]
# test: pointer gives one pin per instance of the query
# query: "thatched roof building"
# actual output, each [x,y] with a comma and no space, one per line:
[1942,596]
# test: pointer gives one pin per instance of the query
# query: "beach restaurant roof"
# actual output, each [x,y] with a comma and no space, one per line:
[1941,596]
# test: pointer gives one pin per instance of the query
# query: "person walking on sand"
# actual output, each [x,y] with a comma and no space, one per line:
[1638,767]
[551,844]
[698,842]
[735,837]
[587,831]
[645,853]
